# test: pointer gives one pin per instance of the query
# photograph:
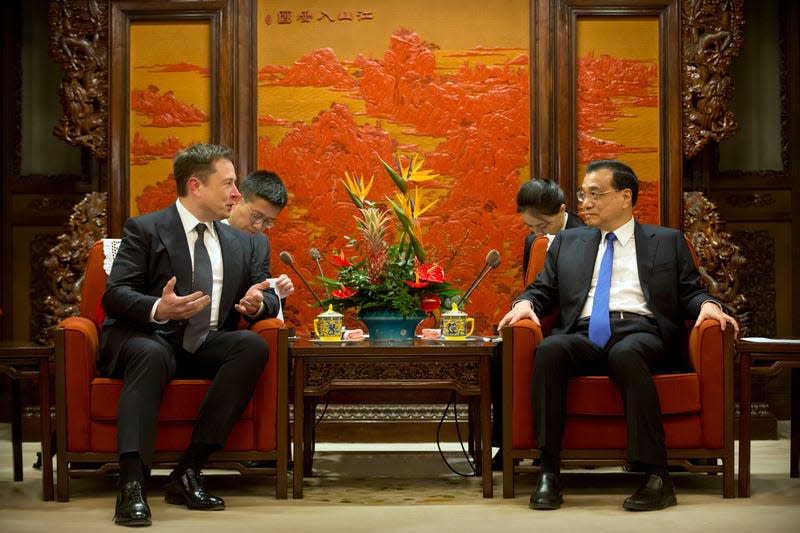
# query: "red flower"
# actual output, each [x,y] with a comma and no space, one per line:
[430,272]
[417,284]
[429,302]
[344,293]
[341,261]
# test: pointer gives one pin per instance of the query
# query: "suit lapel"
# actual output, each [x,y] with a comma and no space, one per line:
[591,241]
[646,248]
[173,238]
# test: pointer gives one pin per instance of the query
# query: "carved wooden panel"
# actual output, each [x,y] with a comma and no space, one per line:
[79,42]
[721,261]
[712,36]
[464,374]
[759,275]
[67,262]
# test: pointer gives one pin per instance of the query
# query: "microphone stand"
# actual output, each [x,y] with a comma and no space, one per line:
[315,255]
[286,257]
[492,261]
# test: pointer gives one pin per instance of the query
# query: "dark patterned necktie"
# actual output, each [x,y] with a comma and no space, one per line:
[599,323]
[198,325]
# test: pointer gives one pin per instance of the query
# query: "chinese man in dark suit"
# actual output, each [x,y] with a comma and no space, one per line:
[624,290]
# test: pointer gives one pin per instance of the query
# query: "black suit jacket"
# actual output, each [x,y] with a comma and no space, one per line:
[573,221]
[152,250]
[670,282]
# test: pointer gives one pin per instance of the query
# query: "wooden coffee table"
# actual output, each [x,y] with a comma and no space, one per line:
[24,360]
[461,366]
[782,353]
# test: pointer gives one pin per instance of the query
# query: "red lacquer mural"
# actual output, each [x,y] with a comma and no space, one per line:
[473,129]
[618,100]
[170,104]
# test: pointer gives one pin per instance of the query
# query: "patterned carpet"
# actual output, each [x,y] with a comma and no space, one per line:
[358,489]
[391,478]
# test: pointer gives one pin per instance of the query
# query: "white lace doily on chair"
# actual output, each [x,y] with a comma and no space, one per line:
[110,247]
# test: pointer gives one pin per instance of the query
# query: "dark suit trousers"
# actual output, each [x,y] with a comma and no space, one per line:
[232,360]
[634,350]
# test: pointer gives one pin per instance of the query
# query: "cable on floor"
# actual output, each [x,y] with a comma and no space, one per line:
[452,401]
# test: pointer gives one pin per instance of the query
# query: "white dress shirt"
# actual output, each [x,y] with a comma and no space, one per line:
[626,290]
[211,240]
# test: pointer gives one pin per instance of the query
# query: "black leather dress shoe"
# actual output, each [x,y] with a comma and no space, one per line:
[132,508]
[547,496]
[189,490]
[654,494]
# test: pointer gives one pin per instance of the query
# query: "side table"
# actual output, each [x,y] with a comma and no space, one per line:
[782,353]
[461,366]
[22,360]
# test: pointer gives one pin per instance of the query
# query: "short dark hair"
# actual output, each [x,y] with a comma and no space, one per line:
[197,160]
[622,174]
[266,185]
[540,197]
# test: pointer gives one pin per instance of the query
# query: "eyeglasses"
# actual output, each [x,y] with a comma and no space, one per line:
[258,219]
[593,195]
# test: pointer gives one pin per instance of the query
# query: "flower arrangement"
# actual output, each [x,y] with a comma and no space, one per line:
[386,275]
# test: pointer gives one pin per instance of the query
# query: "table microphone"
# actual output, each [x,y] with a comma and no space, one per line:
[492,261]
[286,257]
[316,256]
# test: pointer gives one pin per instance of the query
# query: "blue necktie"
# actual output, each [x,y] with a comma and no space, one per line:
[599,323]
[198,325]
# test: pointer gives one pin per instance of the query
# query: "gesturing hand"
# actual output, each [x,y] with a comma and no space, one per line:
[251,302]
[174,307]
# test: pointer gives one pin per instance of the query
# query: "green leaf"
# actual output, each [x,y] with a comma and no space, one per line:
[396,178]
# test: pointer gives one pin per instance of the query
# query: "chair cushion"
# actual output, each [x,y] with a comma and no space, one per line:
[181,401]
[599,395]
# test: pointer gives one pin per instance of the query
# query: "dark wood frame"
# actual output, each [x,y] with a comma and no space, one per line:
[792,14]
[554,120]
[245,143]
[10,140]
[219,14]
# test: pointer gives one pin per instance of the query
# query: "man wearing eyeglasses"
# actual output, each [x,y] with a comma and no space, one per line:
[263,197]
[621,314]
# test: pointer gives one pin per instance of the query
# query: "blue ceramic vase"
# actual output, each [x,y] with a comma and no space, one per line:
[390,325]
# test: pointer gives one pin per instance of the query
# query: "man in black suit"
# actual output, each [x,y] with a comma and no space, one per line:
[179,285]
[621,314]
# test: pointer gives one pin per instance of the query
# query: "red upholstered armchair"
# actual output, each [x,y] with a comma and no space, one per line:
[697,406]
[86,404]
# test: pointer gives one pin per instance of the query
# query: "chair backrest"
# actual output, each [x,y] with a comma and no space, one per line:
[536,259]
[101,256]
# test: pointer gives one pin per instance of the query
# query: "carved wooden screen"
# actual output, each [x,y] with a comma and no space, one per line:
[617,96]
[172,73]
[446,79]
